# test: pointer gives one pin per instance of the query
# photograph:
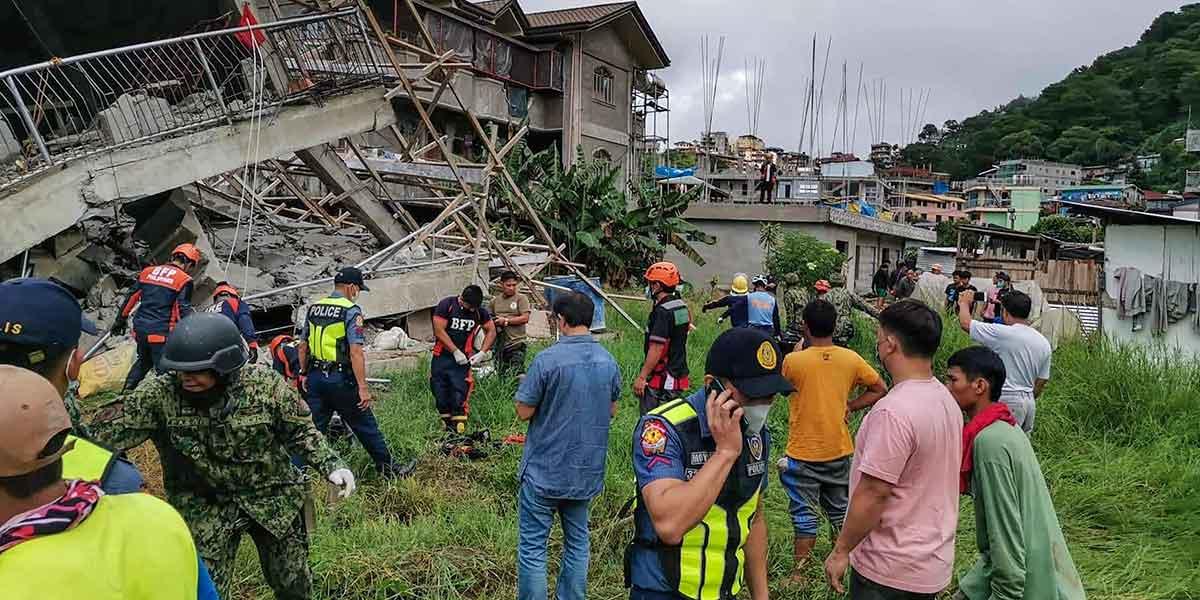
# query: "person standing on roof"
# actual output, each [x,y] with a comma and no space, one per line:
[227,301]
[768,178]
[664,373]
[40,325]
[456,322]
[63,538]
[701,464]
[333,366]
[165,294]
[734,304]
[225,433]
[762,308]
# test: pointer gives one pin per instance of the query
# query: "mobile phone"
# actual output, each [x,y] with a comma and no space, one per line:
[716,387]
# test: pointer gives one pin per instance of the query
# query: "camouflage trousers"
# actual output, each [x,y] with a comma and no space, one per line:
[284,560]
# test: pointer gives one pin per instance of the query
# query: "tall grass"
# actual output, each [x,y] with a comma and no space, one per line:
[1116,435]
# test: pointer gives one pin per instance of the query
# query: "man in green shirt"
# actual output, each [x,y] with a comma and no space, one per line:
[1022,553]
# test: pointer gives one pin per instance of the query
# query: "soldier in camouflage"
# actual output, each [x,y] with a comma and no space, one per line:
[845,301]
[795,298]
[224,433]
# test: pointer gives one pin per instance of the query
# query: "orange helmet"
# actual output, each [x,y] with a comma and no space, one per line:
[187,251]
[663,272]
[225,288]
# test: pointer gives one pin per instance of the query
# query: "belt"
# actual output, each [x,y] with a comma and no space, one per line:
[328,367]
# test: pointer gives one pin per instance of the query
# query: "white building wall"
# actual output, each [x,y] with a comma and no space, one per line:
[1169,251]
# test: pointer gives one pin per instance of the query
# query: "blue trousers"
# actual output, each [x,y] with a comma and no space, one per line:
[338,392]
[148,357]
[535,517]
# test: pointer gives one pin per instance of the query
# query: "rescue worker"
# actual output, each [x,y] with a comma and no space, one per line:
[845,302]
[62,539]
[763,310]
[701,465]
[165,294]
[734,304]
[510,309]
[664,373]
[333,366]
[228,301]
[224,431]
[456,322]
[285,358]
[40,325]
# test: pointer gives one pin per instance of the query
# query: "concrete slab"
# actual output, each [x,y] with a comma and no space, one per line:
[51,201]
[10,148]
[541,326]
[420,325]
[408,292]
[360,201]
[381,363]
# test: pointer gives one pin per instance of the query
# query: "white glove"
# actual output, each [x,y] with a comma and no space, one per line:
[480,357]
[344,479]
[460,358]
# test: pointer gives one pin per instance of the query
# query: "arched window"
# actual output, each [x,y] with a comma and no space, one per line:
[602,85]
[602,155]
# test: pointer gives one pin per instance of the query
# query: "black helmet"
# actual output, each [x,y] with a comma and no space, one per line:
[203,342]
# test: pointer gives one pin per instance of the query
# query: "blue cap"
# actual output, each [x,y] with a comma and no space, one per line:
[39,312]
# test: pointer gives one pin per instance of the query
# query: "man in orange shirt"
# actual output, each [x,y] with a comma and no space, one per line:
[816,469]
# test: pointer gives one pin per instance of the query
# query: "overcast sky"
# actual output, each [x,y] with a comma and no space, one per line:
[971,54]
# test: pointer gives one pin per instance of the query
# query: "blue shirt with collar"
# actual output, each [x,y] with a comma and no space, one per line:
[573,385]
[666,461]
[354,330]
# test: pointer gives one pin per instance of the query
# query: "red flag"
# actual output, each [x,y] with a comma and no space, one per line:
[251,38]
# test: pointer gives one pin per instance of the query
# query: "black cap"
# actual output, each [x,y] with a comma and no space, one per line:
[351,275]
[751,360]
[39,312]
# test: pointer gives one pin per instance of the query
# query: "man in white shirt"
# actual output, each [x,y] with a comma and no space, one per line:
[1024,351]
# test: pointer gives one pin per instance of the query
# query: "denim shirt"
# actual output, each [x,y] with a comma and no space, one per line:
[573,385]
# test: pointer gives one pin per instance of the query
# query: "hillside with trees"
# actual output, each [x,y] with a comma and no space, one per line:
[1132,101]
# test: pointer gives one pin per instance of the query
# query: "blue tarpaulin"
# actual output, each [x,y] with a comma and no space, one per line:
[573,282]
[668,172]
[941,188]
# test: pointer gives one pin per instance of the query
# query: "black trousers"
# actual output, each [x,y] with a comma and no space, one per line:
[862,588]
[148,357]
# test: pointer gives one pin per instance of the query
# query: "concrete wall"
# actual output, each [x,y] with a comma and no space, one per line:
[1144,247]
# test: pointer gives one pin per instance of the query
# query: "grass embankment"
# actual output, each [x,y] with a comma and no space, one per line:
[1118,436]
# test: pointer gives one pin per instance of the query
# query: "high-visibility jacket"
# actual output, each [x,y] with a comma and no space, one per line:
[709,563]
[131,547]
[87,461]
[327,331]
[165,294]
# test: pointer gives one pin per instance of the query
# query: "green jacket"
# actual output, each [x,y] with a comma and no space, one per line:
[1022,553]
[236,453]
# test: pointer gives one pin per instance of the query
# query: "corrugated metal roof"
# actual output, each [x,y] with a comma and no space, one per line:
[584,15]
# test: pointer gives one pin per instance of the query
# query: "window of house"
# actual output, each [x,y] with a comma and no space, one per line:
[602,85]
[745,188]
[787,190]
[842,246]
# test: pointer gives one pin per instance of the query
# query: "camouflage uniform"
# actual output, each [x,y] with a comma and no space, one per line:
[794,301]
[845,301]
[227,469]
[77,424]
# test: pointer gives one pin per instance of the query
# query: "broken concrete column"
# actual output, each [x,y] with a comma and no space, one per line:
[135,116]
[420,325]
[359,199]
[10,147]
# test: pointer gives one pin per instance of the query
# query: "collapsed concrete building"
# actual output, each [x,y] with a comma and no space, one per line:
[290,138]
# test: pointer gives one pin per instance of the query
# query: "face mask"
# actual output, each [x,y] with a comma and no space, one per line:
[649,294]
[756,417]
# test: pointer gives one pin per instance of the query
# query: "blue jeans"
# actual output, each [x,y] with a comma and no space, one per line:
[535,517]
[148,357]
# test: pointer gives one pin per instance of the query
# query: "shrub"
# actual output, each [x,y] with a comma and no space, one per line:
[806,256]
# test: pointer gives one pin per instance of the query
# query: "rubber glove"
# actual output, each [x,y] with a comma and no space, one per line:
[460,358]
[481,357]
[344,479]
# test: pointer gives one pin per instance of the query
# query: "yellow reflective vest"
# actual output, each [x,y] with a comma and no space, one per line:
[710,561]
[86,461]
[131,547]
[327,330]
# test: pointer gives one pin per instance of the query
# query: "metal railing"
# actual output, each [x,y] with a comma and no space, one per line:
[67,108]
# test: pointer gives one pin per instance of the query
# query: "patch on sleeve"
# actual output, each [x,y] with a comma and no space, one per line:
[358,324]
[110,413]
[654,443]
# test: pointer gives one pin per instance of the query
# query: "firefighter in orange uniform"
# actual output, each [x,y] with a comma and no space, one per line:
[165,296]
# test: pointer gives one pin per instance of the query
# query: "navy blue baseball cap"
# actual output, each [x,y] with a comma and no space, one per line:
[353,276]
[751,360]
[39,312]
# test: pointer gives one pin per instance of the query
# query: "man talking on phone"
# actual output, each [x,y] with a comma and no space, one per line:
[701,465]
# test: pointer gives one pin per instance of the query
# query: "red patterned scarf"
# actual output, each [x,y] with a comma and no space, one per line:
[998,411]
[56,517]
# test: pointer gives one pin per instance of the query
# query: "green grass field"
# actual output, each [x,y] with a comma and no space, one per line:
[1118,436]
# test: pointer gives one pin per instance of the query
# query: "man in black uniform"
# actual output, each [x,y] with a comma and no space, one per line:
[456,321]
[664,374]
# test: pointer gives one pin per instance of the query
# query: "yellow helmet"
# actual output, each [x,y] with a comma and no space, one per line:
[741,283]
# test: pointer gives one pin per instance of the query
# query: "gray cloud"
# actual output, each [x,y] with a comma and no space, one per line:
[971,54]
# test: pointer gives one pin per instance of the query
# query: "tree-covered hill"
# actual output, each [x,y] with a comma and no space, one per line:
[1131,101]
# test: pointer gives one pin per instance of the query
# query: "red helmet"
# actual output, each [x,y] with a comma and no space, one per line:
[225,288]
[187,251]
[822,286]
[663,272]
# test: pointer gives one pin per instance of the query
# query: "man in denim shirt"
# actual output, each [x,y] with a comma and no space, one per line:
[569,397]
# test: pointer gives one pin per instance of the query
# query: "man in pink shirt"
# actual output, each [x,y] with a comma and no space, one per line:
[899,531]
